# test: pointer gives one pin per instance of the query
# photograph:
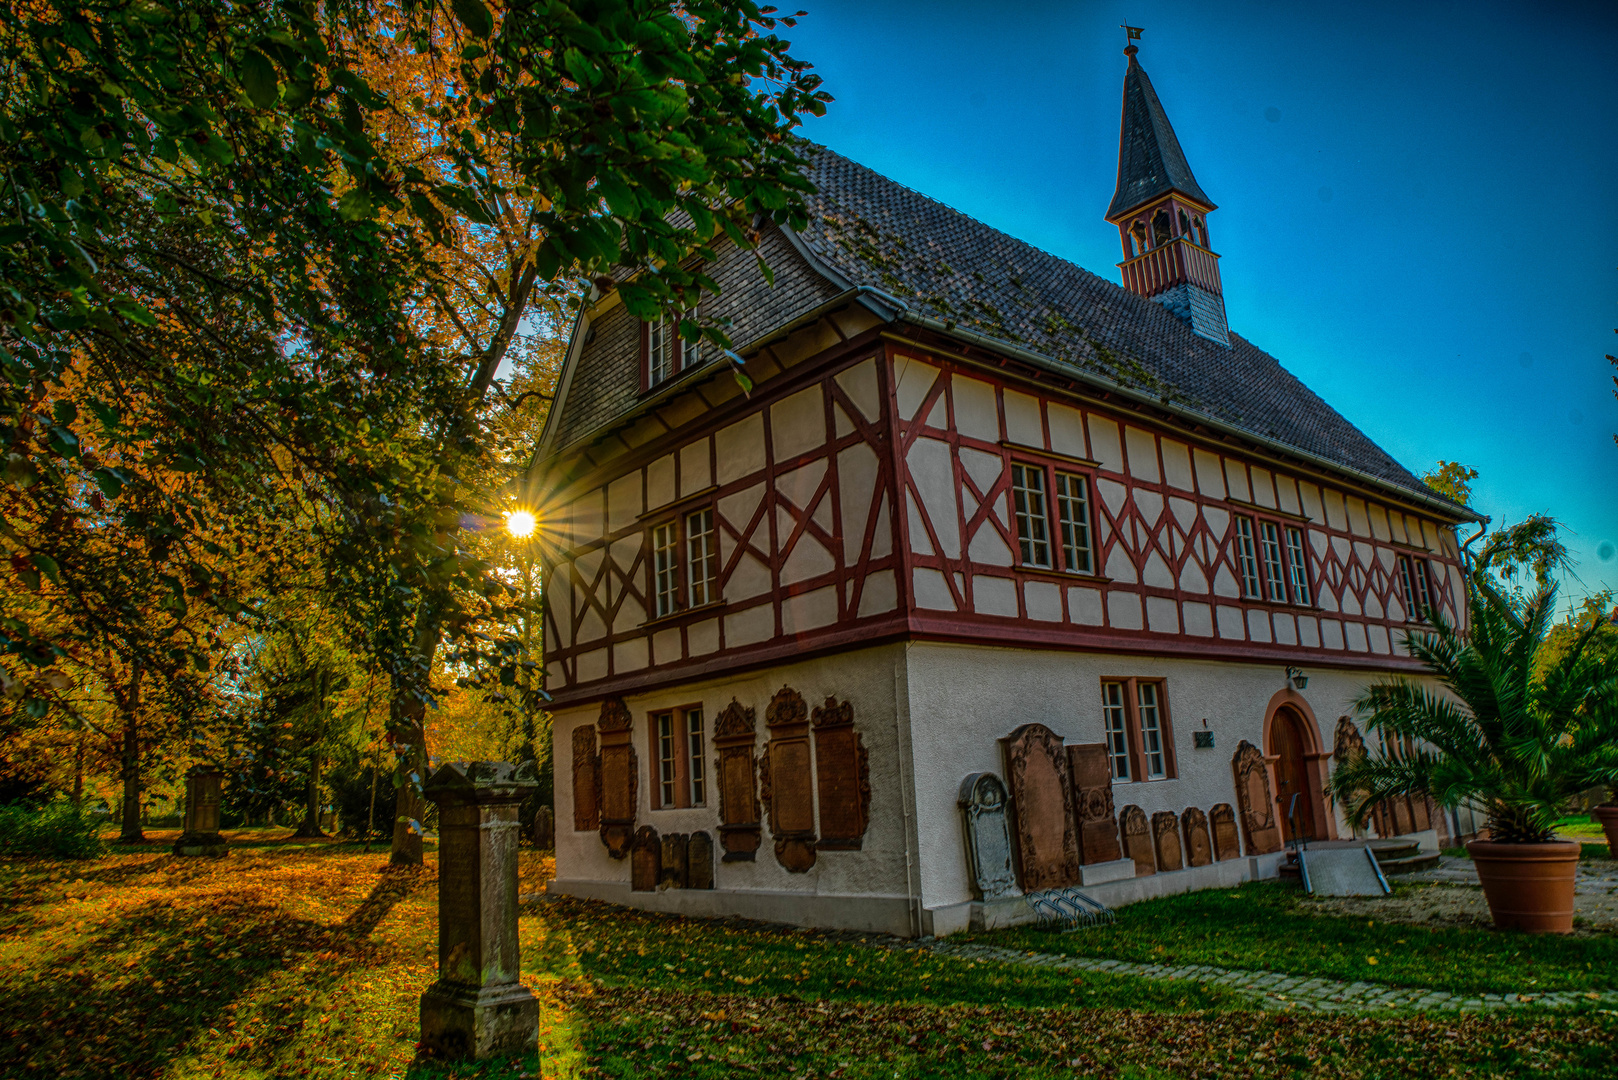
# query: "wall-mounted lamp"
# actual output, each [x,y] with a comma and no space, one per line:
[1299,679]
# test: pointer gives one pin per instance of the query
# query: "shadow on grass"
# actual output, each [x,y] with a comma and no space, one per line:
[127,1000]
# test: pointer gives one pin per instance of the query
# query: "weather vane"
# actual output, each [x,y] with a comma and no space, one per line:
[1134,32]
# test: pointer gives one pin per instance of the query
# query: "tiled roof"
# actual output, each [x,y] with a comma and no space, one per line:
[944,264]
[1150,161]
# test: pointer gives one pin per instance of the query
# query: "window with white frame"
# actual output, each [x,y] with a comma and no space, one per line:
[695,742]
[679,743]
[1116,720]
[1073,516]
[1415,587]
[1247,557]
[666,567]
[1028,505]
[1274,570]
[1298,563]
[662,350]
[1151,731]
[702,557]
[668,758]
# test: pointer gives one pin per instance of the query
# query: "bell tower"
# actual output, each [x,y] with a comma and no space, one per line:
[1162,214]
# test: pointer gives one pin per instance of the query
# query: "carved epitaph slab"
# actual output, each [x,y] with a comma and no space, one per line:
[982,800]
[673,872]
[1137,834]
[842,778]
[618,778]
[699,861]
[202,798]
[1091,773]
[586,780]
[735,734]
[646,864]
[1226,838]
[787,781]
[1198,844]
[1042,808]
[1166,840]
[1256,802]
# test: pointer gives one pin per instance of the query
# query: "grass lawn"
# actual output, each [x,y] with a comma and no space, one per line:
[1271,926]
[301,959]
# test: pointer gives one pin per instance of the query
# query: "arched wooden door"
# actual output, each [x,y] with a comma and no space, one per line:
[1290,775]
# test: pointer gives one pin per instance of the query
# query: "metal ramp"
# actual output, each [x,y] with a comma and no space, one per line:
[1067,909]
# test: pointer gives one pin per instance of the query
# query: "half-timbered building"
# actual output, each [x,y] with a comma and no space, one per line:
[1002,578]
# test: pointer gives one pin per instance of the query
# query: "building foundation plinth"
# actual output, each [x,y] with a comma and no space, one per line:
[478,1008]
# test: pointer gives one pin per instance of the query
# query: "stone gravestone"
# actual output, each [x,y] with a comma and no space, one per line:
[478,1008]
[982,799]
[699,861]
[734,735]
[1227,839]
[545,828]
[786,779]
[619,776]
[1042,807]
[1091,773]
[843,778]
[1253,796]
[1198,847]
[202,793]
[645,860]
[672,875]
[586,780]
[1137,840]
[1166,840]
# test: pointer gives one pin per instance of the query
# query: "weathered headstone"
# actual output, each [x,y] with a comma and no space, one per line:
[982,799]
[1254,798]
[1166,840]
[734,736]
[645,860]
[202,794]
[1138,840]
[786,780]
[1227,839]
[586,780]
[672,874]
[1090,770]
[1198,846]
[1042,808]
[619,777]
[699,861]
[545,828]
[842,777]
[478,1008]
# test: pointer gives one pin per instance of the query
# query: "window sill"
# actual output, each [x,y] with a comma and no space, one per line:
[683,616]
[1277,605]
[1060,575]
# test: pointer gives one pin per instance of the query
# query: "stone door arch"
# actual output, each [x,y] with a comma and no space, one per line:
[1298,764]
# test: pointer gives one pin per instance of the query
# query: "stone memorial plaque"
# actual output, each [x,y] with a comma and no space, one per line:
[1138,840]
[618,778]
[673,873]
[203,785]
[735,734]
[787,781]
[1044,826]
[1344,872]
[646,863]
[1227,839]
[1198,845]
[586,780]
[843,778]
[699,861]
[982,799]
[544,828]
[1091,774]
[1254,797]
[1166,840]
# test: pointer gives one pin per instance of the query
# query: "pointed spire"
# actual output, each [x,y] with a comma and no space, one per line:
[1150,161]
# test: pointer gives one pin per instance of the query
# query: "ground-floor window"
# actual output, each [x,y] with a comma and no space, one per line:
[1134,714]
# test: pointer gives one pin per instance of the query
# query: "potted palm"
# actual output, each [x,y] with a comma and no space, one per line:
[1512,730]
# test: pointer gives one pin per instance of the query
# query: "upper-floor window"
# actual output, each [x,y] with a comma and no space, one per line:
[685,562]
[1415,586]
[664,354]
[679,750]
[1040,494]
[1134,713]
[1272,561]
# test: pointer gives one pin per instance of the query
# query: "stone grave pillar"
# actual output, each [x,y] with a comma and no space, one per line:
[201,836]
[478,1008]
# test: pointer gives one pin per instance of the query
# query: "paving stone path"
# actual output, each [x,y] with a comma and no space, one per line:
[1277,991]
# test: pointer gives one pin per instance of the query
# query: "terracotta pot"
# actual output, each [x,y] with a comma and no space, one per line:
[1608,816]
[1528,886]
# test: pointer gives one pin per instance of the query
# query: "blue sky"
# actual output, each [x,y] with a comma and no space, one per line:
[1418,206]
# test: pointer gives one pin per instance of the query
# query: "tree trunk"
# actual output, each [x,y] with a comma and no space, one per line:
[78,773]
[311,812]
[409,731]
[129,762]
[370,817]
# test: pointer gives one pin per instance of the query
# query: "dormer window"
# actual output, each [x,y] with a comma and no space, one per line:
[663,354]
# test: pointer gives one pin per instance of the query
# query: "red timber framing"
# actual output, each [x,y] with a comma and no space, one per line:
[862,495]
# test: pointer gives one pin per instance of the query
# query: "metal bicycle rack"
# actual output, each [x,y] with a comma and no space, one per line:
[1068,909]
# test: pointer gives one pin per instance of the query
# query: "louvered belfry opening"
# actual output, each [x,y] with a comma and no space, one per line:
[1162,215]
